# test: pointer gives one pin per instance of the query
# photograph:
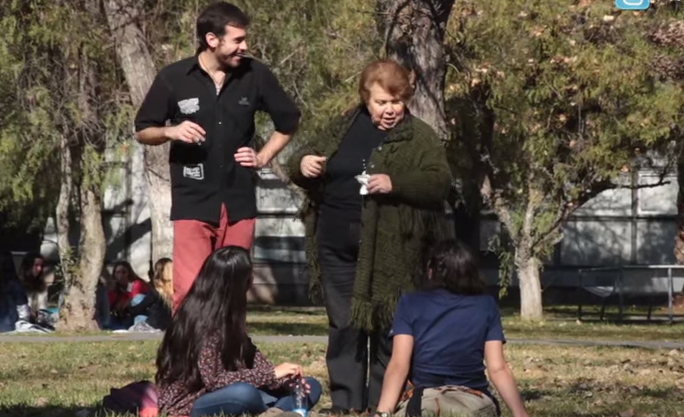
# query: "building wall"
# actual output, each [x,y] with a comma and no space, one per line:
[126,216]
[621,226]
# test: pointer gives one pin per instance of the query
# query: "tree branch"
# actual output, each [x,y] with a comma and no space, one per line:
[568,207]
[498,204]
[534,197]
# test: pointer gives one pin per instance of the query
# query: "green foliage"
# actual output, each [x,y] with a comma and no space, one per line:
[54,83]
[316,48]
[552,101]
[506,262]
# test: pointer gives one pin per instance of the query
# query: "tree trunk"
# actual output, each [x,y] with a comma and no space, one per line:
[78,311]
[414,36]
[79,304]
[139,71]
[528,268]
[679,239]
[159,183]
[66,253]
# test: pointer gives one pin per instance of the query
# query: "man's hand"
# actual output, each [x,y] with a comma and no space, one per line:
[248,157]
[379,184]
[312,166]
[187,131]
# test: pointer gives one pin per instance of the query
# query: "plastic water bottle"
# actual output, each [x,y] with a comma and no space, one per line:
[299,397]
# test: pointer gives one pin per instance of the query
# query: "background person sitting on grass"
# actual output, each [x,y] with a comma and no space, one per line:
[441,335]
[127,285]
[152,311]
[14,306]
[207,364]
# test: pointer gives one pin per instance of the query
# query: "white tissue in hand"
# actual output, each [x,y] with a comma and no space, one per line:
[363,180]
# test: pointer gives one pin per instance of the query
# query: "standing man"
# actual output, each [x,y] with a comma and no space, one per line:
[205,106]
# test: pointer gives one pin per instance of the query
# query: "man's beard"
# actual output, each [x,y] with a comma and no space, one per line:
[228,61]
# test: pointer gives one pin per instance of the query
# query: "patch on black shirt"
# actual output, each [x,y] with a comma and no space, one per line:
[205,175]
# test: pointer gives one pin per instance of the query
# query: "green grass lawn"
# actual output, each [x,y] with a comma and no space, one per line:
[59,379]
[560,324]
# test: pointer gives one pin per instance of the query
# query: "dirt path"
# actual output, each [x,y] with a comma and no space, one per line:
[322,339]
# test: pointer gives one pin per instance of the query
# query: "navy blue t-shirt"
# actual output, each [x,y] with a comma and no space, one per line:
[449,333]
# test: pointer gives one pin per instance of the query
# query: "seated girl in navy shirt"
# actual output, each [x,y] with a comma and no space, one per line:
[441,335]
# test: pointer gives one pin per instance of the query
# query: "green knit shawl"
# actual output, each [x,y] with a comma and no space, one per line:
[412,216]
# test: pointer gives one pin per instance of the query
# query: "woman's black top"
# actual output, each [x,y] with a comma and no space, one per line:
[341,198]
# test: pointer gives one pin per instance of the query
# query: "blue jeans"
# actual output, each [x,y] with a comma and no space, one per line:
[242,398]
[126,322]
[134,302]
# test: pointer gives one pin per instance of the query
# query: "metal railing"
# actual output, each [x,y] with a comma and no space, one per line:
[620,282]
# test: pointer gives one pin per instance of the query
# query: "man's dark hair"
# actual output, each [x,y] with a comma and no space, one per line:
[214,19]
[452,266]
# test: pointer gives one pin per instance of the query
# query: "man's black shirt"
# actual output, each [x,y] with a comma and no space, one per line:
[205,175]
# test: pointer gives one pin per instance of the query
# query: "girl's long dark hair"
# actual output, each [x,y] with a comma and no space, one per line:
[30,282]
[132,276]
[216,305]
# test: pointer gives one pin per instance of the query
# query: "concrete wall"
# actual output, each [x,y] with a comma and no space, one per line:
[126,215]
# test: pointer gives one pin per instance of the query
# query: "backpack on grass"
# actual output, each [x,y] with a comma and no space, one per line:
[138,398]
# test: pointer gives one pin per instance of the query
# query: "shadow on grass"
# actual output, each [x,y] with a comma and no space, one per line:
[558,325]
[534,394]
[662,394]
[591,314]
[47,411]
[586,332]
[614,320]
[59,411]
[286,310]
[570,312]
[286,329]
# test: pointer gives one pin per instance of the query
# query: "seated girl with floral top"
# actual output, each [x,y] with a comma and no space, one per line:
[207,365]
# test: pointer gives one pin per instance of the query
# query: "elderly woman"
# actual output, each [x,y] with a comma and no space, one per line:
[376,181]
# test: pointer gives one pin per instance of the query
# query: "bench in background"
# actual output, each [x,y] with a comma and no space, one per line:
[629,281]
